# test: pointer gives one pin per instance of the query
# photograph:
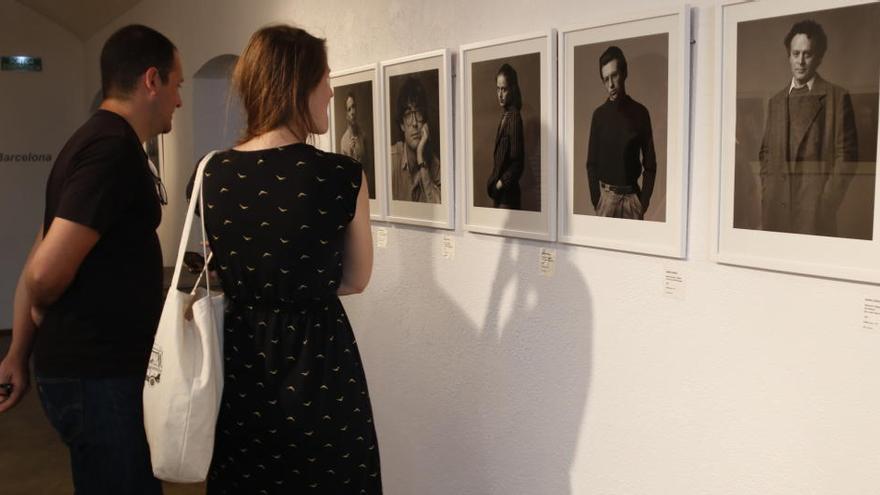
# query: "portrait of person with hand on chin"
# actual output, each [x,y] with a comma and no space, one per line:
[415,166]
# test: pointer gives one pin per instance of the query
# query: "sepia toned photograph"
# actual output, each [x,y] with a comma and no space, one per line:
[417,147]
[620,135]
[506,109]
[625,103]
[353,126]
[413,131]
[355,130]
[798,141]
[806,122]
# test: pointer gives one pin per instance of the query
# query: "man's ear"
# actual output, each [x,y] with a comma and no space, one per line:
[152,81]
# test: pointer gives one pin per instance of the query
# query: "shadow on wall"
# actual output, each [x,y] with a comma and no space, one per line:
[488,408]
[218,118]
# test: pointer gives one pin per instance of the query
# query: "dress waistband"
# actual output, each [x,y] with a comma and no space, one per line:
[282,304]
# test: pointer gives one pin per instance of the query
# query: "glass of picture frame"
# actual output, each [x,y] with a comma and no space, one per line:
[418,149]
[623,152]
[795,187]
[508,118]
[355,127]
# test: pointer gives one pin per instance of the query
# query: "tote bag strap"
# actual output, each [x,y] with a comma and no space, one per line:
[202,274]
[187,223]
[206,256]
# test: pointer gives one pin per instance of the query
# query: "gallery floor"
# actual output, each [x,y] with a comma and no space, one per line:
[33,461]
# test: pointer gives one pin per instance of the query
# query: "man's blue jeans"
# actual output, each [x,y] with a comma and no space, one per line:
[101,421]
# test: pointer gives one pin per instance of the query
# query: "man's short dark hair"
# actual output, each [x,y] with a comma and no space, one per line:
[812,30]
[412,93]
[128,53]
[613,53]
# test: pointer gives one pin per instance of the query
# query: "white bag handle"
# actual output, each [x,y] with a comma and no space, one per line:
[202,274]
[187,224]
[206,256]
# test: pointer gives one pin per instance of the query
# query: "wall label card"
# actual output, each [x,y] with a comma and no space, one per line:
[673,284]
[447,247]
[871,314]
[381,237]
[548,262]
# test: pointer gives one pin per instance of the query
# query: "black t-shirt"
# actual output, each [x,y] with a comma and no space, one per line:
[103,325]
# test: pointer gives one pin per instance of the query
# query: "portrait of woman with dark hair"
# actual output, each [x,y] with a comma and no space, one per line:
[503,183]
[505,133]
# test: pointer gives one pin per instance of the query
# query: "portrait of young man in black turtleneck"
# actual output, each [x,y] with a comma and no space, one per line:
[621,146]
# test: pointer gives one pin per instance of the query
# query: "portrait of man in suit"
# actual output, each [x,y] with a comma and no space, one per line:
[809,151]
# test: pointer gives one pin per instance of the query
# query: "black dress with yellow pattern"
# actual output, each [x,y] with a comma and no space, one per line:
[295,415]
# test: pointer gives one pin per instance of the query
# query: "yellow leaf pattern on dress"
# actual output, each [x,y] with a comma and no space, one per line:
[294,384]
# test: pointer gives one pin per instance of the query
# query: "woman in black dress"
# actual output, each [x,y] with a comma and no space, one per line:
[503,183]
[289,230]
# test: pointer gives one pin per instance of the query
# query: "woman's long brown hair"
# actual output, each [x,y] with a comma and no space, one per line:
[274,77]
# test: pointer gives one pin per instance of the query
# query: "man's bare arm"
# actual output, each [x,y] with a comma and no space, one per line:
[14,366]
[57,259]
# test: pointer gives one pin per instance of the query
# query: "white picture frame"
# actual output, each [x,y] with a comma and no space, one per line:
[743,237]
[663,231]
[358,81]
[530,209]
[433,71]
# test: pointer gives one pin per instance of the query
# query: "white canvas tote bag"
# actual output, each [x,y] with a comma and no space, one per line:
[184,379]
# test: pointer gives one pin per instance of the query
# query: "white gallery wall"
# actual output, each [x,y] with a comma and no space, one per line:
[38,112]
[489,377]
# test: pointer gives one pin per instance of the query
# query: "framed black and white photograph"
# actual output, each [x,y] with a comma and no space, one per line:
[508,115]
[624,89]
[798,137]
[355,127]
[417,117]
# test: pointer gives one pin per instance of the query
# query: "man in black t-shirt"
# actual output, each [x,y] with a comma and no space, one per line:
[621,148]
[90,295]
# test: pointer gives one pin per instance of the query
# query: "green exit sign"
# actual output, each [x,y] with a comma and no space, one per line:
[21,63]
